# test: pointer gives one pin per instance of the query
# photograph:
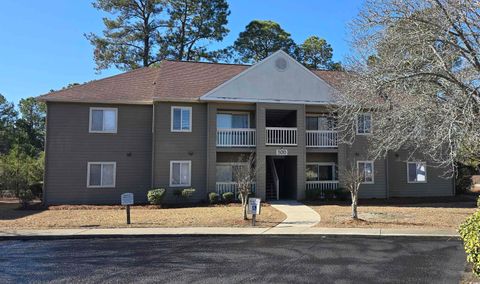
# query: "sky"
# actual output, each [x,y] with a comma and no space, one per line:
[42,43]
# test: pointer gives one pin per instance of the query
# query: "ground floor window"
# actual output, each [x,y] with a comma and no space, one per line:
[321,171]
[365,169]
[226,171]
[417,172]
[180,173]
[101,174]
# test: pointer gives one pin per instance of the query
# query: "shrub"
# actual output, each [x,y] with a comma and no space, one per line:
[155,196]
[213,198]
[342,194]
[185,193]
[25,197]
[37,189]
[228,197]
[470,233]
[313,194]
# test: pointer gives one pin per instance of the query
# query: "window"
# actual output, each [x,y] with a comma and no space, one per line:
[417,172]
[364,124]
[101,174]
[103,120]
[233,120]
[226,171]
[365,169]
[321,171]
[320,122]
[180,173]
[181,119]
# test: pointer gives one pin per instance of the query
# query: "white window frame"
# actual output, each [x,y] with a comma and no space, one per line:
[181,108]
[101,174]
[189,162]
[408,176]
[371,123]
[373,170]
[332,164]
[236,112]
[102,109]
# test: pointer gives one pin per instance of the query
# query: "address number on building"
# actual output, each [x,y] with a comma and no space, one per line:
[282,152]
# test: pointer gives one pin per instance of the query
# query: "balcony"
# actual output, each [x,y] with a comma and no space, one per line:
[324,185]
[281,136]
[222,187]
[236,137]
[321,139]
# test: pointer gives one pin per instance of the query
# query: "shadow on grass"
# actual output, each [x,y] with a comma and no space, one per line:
[433,202]
[13,211]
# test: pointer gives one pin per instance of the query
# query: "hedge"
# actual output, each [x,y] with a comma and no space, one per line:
[470,233]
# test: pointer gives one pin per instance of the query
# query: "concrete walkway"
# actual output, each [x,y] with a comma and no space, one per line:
[299,216]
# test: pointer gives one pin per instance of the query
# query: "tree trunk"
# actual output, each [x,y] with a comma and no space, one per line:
[244,207]
[354,205]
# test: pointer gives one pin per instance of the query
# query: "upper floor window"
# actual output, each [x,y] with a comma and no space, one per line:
[364,123]
[101,174]
[180,173]
[233,120]
[417,172]
[103,120]
[365,169]
[320,122]
[181,119]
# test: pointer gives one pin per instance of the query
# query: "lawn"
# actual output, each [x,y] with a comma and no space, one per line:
[141,216]
[421,213]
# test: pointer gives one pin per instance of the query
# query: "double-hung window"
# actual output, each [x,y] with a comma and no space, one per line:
[321,171]
[365,170]
[181,119]
[364,124]
[180,173]
[103,120]
[233,120]
[417,172]
[101,174]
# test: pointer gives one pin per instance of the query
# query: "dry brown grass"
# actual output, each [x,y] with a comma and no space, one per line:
[438,215]
[141,216]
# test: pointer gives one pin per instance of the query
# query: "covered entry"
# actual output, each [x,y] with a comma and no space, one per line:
[281,177]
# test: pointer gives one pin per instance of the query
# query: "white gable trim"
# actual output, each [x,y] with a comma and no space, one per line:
[207,97]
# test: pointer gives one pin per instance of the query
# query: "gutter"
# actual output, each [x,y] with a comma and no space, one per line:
[152,179]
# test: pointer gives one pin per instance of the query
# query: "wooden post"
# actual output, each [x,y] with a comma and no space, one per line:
[253,219]
[128,214]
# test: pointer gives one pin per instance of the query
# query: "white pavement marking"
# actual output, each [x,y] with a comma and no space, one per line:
[299,215]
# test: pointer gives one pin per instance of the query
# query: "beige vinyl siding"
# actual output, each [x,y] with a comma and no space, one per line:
[181,146]
[70,147]
[436,185]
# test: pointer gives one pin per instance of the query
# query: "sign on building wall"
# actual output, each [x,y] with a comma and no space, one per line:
[282,152]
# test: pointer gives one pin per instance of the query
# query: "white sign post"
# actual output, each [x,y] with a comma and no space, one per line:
[254,208]
[127,200]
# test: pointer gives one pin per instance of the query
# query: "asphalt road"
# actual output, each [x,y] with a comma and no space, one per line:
[245,259]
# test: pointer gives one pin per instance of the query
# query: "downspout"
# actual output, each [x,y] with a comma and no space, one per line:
[45,167]
[387,178]
[152,179]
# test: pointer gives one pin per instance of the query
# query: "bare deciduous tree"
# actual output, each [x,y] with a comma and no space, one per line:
[352,178]
[244,177]
[417,69]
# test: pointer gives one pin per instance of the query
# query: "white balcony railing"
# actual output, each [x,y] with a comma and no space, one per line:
[282,136]
[222,187]
[236,137]
[326,185]
[322,138]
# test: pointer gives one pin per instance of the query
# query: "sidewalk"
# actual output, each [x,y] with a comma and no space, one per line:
[206,231]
